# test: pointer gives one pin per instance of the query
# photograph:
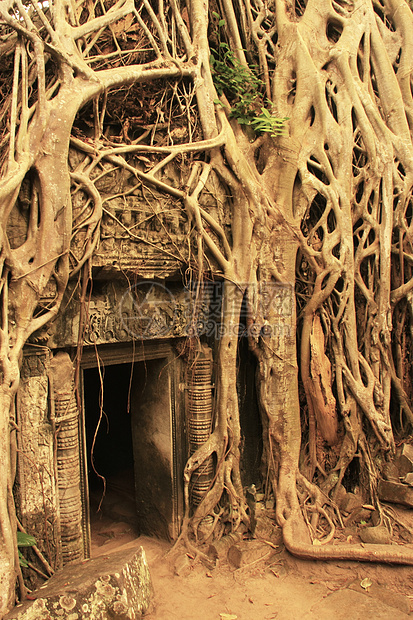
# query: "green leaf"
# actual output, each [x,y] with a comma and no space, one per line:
[221,23]
[266,113]
[22,560]
[25,540]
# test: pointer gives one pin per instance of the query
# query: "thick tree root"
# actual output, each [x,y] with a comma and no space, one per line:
[386,554]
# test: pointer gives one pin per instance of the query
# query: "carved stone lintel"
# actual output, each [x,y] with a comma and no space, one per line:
[144,311]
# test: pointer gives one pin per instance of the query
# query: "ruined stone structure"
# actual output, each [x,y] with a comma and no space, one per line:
[111,400]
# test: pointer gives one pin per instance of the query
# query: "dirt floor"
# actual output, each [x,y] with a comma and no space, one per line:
[268,583]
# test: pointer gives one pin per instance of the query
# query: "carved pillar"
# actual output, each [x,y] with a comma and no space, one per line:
[35,486]
[199,408]
[68,457]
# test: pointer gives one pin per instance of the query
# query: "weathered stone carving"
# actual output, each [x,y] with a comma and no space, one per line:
[117,587]
[142,311]
[143,233]
[36,490]
[199,408]
[68,457]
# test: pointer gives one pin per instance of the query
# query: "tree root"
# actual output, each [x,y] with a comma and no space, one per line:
[386,554]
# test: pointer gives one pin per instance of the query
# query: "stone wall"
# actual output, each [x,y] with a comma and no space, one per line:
[36,480]
[136,308]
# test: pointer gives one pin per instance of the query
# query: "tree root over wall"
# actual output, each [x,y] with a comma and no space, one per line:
[310,232]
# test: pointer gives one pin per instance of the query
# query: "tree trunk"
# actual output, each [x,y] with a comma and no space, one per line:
[8,569]
[277,379]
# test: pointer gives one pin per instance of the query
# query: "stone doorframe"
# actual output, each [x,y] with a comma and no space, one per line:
[175,367]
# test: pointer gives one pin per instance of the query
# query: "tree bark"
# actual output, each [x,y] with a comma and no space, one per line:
[8,569]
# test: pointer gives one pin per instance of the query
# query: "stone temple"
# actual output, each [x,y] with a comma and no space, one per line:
[119,390]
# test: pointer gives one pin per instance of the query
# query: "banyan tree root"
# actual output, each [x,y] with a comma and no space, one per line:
[300,542]
[386,554]
[324,212]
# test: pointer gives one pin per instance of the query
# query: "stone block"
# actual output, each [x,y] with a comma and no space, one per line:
[339,494]
[405,460]
[116,586]
[395,493]
[182,566]
[391,472]
[346,603]
[378,535]
[248,552]
[408,479]
[385,596]
[357,515]
[267,529]
[349,502]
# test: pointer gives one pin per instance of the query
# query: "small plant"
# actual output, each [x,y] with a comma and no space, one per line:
[267,123]
[243,87]
[240,84]
[24,540]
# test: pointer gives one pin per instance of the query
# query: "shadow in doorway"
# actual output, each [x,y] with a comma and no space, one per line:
[110,457]
[131,443]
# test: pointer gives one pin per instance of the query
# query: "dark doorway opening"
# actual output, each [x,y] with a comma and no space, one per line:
[250,419]
[133,471]
[251,426]
[110,456]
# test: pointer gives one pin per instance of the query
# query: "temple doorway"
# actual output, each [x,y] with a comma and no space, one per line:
[133,455]
[109,446]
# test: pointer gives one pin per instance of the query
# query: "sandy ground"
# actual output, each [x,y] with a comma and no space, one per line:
[270,584]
